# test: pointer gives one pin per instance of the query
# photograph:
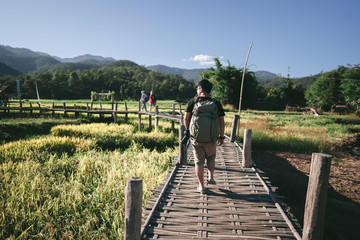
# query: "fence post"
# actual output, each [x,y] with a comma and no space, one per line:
[246,155]
[316,196]
[156,117]
[133,208]
[173,122]
[150,121]
[182,147]
[126,115]
[139,118]
[115,112]
[64,104]
[234,128]
[53,111]
[31,110]
[76,112]
[87,110]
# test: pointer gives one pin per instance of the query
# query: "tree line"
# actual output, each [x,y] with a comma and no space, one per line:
[340,86]
[125,78]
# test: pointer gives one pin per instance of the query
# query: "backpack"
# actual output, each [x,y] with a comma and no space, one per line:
[146,98]
[205,123]
[153,98]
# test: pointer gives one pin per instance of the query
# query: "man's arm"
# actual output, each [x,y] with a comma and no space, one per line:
[187,119]
[222,130]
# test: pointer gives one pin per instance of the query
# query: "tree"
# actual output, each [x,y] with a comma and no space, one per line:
[291,94]
[325,92]
[227,84]
[350,86]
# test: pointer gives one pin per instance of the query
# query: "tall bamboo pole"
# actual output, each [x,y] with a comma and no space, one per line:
[242,85]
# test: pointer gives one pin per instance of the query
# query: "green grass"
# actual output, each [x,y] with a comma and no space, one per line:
[79,196]
[295,132]
[67,186]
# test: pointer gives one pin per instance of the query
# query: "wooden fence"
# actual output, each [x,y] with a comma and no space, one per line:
[89,110]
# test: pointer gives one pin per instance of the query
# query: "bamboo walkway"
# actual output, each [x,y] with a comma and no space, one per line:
[239,206]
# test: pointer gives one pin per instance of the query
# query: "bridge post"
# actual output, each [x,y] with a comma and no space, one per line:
[182,147]
[246,155]
[53,111]
[114,112]
[173,122]
[31,110]
[75,110]
[126,115]
[64,106]
[87,110]
[316,197]
[139,117]
[156,117]
[150,124]
[233,129]
[133,208]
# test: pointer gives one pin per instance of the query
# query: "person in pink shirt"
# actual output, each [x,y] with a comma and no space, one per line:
[152,100]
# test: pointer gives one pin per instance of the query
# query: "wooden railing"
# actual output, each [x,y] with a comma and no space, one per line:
[91,110]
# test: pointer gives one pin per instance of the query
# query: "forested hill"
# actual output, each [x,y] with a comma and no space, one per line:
[125,78]
[188,74]
[17,61]
[7,70]
[27,61]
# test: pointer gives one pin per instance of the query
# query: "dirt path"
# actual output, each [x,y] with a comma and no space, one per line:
[290,171]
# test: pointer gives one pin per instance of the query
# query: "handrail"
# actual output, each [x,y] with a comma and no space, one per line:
[172,117]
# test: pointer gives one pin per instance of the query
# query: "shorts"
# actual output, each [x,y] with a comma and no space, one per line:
[204,151]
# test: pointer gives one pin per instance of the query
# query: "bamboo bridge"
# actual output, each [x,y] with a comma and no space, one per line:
[241,205]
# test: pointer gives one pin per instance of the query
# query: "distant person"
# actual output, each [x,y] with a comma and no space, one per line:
[152,100]
[144,98]
[204,121]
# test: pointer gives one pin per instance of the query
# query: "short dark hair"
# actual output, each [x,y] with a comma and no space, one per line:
[205,85]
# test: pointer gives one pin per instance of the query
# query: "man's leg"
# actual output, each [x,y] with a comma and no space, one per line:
[199,155]
[199,170]
[210,160]
[211,168]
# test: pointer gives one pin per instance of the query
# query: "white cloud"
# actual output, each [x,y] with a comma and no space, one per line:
[204,60]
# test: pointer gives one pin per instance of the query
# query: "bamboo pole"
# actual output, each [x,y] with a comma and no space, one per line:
[133,208]
[156,117]
[64,105]
[182,147]
[173,122]
[139,117]
[126,115]
[316,197]
[246,156]
[233,129]
[242,85]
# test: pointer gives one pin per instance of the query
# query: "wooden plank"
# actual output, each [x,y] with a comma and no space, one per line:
[238,206]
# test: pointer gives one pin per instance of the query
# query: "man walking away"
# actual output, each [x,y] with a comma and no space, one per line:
[143,100]
[204,122]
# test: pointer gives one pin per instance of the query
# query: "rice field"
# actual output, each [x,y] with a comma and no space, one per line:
[64,178]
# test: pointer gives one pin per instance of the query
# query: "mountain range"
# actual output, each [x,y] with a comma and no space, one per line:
[16,61]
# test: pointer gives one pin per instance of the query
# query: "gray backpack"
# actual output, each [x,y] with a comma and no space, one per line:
[205,124]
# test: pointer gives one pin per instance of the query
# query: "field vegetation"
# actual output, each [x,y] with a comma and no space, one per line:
[64,178]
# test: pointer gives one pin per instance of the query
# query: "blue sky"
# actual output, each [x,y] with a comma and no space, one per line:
[301,38]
